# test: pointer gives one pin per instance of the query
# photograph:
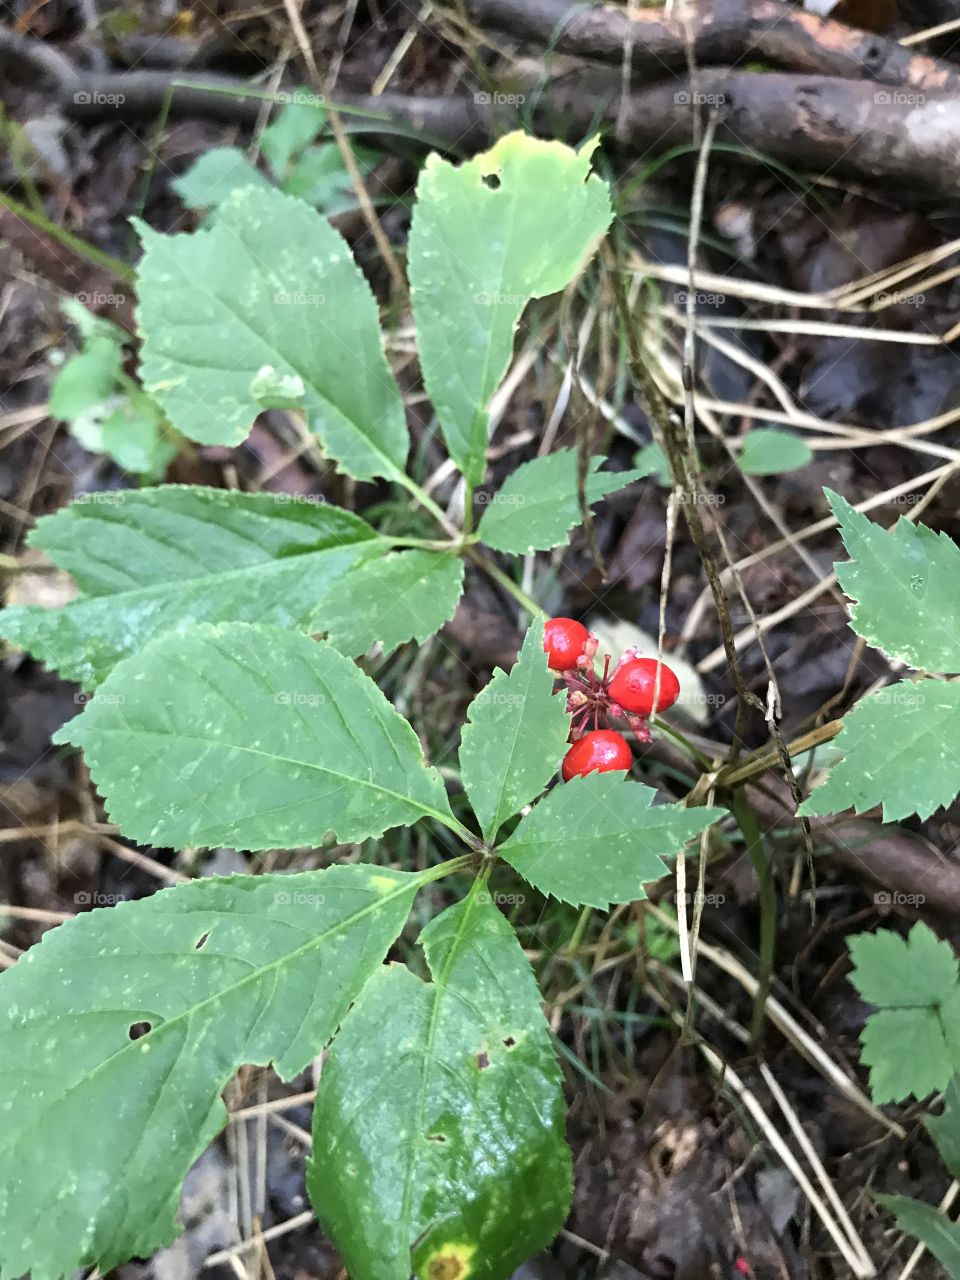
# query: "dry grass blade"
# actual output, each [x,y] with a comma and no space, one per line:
[785,1022]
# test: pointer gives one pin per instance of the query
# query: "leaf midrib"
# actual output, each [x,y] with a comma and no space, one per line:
[290,958]
[265,755]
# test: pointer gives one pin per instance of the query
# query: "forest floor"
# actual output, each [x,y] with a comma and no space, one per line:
[675,1177]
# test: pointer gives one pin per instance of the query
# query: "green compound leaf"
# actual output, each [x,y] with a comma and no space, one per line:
[514,738]
[404,596]
[224,972]
[132,431]
[599,839]
[515,223]
[101,405]
[899,750]
[945,1128]
[253,738]
[265,307]
[912,1043]
[88,379]
[215,175]
[438,1125]
[162,559]
[537,506]
[906,585]
[767,452]
[929,1225]
[300,121]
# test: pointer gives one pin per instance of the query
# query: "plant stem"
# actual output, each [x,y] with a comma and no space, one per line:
[747,822]
[447,868]
[681,740]
[428,504]
[74,244]
[767,759]
[453,545]
[579,930]
[505,581]
[467,507]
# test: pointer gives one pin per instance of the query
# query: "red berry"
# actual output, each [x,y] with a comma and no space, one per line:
[563,642]
[633,684]
[601,751]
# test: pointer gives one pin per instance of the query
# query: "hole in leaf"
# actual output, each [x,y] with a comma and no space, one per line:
[201,941]
[436,1137]
[509,1042]
[491,180]
[138,1029]
[483,1061]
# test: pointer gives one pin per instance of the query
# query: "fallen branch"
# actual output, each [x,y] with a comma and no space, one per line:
[727,31]
[815,123]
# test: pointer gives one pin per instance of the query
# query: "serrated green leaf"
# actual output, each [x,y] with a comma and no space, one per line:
[215,175]
[945,1128]
[300,121]
[536,507]
[99,1128]
[918,970]
[404,596]
[438,1125]
[319,178]
[253,738]
[929,1225]
[514,738]
[767,452]
[515,223]
[913,982]
[153,560]
[906,585]
[906,1052]
[599,839]
[898,750]
[652,461]
[266,306]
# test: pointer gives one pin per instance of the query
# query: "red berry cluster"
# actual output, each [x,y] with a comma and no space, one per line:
[626,693]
